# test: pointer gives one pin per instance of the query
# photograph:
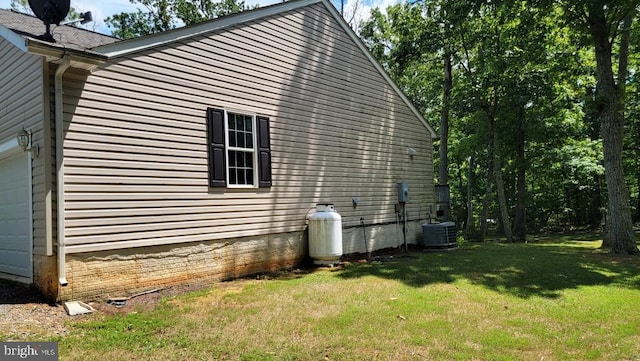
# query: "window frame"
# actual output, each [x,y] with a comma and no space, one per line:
[217,153]
[254,150]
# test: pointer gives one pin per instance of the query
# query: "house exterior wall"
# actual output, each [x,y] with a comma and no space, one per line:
[21,92]
[136,181]
[22,104]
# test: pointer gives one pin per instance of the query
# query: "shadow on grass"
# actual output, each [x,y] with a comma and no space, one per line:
[523,270]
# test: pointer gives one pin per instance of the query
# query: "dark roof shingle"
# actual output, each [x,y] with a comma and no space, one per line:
[65,35]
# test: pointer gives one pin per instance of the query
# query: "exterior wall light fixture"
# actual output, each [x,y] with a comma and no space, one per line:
[24,141]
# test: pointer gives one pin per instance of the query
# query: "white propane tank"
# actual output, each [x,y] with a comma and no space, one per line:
[325,235]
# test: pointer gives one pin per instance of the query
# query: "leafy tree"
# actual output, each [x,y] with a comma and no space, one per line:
[631,92]
[163,15]
[519,101]
[421,35]
[508,83]
[605,23]
[23,7]
[632,114]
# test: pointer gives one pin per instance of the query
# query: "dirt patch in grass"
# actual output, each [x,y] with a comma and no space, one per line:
[25,314]
[144,302]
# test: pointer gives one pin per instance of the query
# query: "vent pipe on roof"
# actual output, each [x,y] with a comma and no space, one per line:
[59,114]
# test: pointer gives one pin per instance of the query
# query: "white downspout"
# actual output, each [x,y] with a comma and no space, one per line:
[62,67]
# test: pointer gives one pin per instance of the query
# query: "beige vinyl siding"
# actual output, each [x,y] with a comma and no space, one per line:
[136,153]
[22,105]
[20,92]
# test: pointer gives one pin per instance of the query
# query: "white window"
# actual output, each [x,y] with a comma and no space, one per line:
[241,153]
[239,149]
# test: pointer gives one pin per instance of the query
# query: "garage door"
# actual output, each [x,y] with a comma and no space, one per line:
[15,217]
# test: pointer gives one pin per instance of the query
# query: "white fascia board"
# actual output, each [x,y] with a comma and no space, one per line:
[347,29]
[139,44]
[81,59]
[18,41]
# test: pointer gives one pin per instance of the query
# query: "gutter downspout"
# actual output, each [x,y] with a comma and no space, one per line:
[62,67]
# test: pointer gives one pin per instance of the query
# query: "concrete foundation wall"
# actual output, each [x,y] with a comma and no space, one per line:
[45,275]
[380,236]
[100,275]
[117,273]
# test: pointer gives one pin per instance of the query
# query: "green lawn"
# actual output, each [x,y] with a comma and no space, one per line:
[560,299]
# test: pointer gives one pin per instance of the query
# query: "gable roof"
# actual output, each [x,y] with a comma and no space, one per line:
[166,37]
[126,47]
[94,46]
[65,35]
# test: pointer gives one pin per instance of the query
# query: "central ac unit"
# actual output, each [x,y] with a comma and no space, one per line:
[439,236]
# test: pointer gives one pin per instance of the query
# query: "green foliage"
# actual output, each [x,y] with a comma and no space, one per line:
[163,15]
[607,23]
[195,11]
[407,43]
[130,332]
[24,7]
[632,122]
[524,71]
[21,6]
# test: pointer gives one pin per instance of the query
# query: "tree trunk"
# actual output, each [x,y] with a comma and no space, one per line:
[619,234]
[502,199]
[464,198]
[623,59]
[520,221]
[443,169]
[471,226]
[637,215]
[595,205]
[486,202]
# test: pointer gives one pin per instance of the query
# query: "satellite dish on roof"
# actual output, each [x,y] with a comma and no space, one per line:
[50,12]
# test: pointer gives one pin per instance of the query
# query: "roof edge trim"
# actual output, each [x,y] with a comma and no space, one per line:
[18,41]
[79,59]
[138,44]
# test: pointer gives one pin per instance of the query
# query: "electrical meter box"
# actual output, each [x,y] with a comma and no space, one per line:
[403,192]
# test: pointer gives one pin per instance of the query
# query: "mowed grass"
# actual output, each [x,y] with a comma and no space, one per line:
[559,299]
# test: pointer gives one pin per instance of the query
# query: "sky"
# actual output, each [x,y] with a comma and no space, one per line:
[102,9]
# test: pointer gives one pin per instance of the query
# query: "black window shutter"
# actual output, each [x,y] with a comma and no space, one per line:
[215,139]
[264,153]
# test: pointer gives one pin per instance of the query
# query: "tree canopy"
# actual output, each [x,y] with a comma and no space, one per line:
[539,115]
[162,15]
[23,7]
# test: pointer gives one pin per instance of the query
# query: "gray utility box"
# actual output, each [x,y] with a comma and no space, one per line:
[439,236]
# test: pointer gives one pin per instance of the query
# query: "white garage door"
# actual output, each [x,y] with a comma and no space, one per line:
[15,217]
